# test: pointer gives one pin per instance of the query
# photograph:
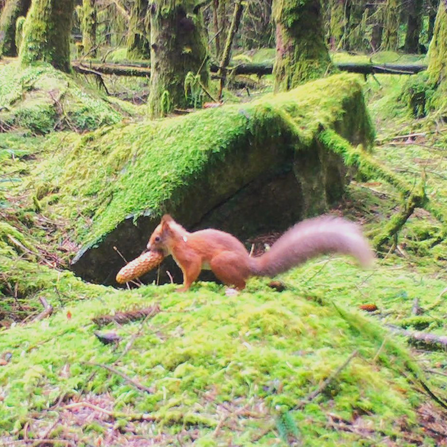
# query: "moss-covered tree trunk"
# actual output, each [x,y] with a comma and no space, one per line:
[437,55]
[46,33]
[432,9]
[391,25]
[178,56]
[414,26]
[334,22]
[223,23]
[301,52]
[376,36]
[138,40]
[354,38]
[12,10]
[89,25]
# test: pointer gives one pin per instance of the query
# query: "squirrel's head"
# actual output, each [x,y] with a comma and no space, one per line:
[163,235]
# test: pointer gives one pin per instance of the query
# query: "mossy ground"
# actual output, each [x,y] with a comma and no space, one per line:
[40,99]
[237,368]
[221,369]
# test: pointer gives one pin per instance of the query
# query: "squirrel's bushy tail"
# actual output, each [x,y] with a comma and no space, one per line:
[309,239]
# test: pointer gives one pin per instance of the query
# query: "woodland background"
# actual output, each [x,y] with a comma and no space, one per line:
[102,131]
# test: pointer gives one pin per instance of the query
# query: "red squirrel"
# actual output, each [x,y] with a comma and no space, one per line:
[231,263]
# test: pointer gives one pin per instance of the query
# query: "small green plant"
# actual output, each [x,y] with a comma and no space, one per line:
[165,103]
[193,89]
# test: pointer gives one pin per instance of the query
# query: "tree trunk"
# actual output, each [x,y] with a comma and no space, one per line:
[223,24]
[337,22]
[376,36]
[301,52]
[237,15]
[391,25]
[437,54]
[414,26]
[432,8]
[46,33]
[354,37]
[216,28]
[12,10]
[138,40]
[178,56]
[89,24]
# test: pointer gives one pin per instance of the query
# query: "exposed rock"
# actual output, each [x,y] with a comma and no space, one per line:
[259,168]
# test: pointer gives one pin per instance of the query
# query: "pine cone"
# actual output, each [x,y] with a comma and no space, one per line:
[139,266]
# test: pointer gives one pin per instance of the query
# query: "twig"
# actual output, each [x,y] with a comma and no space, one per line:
[119,373]
[433,371]
[46,441]
[416,308]
[134,337]
[170,276]
[326,382]
[207,92]
[379,351]
[120,8]
[113,414]
[27,250]
[317,272]
[88,405]
[425,338]
[120,254]
[46,434]
[48,310]
[84,70]
[135,281]
[263,432]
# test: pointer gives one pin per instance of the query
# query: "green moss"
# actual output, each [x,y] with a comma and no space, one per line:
[142,168]
[41,98]
[419,93]
[227,370]
[257,350]
[436,55]
[19,31]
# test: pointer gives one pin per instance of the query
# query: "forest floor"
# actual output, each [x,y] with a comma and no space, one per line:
[311,365]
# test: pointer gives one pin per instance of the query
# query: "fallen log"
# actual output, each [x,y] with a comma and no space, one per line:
[143,69]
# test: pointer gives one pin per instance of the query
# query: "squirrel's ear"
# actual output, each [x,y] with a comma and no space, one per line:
[165,222]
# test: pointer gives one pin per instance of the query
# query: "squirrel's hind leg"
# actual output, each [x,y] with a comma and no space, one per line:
[227,267]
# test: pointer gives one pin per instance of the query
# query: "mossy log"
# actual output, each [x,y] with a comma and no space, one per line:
[143,69]
[240,168]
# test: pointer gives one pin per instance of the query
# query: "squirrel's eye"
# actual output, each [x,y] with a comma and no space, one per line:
[157,239]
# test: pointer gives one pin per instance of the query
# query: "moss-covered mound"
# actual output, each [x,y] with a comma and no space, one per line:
[41,99]
[208,368]
[243,168]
